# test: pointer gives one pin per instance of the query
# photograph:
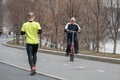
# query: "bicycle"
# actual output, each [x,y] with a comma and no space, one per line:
[72,49]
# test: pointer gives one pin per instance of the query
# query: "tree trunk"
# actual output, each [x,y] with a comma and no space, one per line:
[1,14]
[115,45]
[17,39]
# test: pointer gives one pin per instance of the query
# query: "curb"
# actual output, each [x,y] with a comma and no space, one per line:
[80,56]
[41,73]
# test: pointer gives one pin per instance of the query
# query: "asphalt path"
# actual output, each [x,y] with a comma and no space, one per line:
[11,73]
[60,66]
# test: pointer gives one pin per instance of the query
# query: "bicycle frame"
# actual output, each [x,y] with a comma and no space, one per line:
[72,47]
[72,44]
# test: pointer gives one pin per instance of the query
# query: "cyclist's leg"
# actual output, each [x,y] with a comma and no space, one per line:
[69,41]
[29,52]
[76,45]
[34,53]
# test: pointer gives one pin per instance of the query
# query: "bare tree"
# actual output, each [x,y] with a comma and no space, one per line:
[92,16]
[98,23]
[1,15]
[114,22]
[52,17]
[18,11]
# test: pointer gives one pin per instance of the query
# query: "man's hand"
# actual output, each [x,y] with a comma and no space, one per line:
[79,31]
[67,30]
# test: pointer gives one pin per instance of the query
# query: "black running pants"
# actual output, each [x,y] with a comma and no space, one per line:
[32,53]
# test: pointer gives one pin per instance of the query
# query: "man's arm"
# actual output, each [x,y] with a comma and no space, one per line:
[79,29]
[40,31]
[23,29]
[66,27]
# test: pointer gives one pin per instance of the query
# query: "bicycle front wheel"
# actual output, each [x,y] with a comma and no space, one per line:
[72,55]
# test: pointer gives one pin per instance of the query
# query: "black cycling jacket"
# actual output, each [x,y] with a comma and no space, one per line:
[71,27]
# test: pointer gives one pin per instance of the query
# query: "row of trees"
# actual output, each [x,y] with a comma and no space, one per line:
[97,20]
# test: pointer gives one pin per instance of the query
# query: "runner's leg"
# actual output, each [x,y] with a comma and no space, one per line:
[29,52]
[34,53]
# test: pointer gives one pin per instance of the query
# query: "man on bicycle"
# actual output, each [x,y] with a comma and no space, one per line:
[72,26]
[31,29]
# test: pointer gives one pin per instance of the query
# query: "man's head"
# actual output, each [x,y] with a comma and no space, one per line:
[72,20]
[31,16]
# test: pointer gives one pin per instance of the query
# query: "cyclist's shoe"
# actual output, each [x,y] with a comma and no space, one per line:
[33,71]
[67,54]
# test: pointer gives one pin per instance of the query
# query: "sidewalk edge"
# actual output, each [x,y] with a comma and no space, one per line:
[41,73]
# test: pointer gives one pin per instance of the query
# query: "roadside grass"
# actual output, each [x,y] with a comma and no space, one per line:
[111,55]
[102,54]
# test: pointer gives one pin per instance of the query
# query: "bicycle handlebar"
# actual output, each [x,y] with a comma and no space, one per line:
[72,31]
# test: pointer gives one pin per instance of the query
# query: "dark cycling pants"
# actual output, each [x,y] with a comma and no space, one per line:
[69,42]
[32,53]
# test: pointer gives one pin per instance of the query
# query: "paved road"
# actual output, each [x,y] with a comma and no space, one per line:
[60,66]
[11,73]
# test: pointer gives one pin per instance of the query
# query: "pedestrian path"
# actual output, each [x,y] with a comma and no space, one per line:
[12,73]
[60,66]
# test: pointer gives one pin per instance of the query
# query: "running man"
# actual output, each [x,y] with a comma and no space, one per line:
[72,26]
[31,29]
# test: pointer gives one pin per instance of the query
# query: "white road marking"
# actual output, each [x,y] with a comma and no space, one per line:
[79,67]
[100,70]
[65,64]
